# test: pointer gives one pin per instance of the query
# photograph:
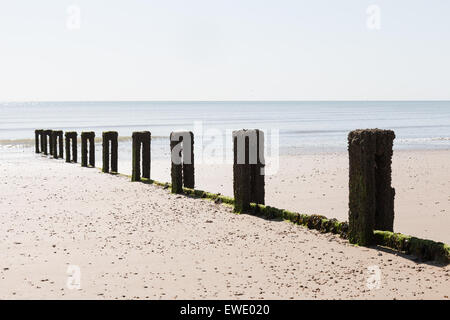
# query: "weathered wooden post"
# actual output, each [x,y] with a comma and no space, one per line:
[371,197]
[176,168]
[85,137]
[57,143]
[42,140]
[142,140]
[248,169]
[385,194]
[110,137]
[54,145]
[50,141]
[61,144]
[48,145]
[38,140]
[44,143]
[188,161]
[71,140]
[182,160]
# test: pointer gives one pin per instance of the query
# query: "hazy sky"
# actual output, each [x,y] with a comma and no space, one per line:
[224,50]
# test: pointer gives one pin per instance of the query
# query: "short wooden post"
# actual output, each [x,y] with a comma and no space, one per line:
[110,137]
[115,153]
[248,169]
[71,141]
[182,160]
[146,155]
[371,198]
[176,167]
[38,140]
[51,143]
[84,151]
[385,194]
[61,144]
[42,142]
[57,143]
[85,138]
[54,143]
[48,145]
[141,146]
[188,162]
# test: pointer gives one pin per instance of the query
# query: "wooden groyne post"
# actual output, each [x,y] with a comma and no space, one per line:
[57,144]
[182,160]
[47,142]
[71,143]
[38,140]
[42,142]
[248,169]
[110,142]
[141,140]
[85,138]
[371,197]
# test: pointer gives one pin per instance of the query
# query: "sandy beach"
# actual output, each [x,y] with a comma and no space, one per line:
[134,240]
[318,184]
[225,150]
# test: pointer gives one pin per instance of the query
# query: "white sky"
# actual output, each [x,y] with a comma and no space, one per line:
[224,50]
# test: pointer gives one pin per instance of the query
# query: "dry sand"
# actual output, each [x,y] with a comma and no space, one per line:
[133,240]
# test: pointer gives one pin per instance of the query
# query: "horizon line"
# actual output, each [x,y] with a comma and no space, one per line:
[243,100]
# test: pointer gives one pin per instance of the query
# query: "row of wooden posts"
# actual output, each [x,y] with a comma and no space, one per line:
[371,197]
[50,142]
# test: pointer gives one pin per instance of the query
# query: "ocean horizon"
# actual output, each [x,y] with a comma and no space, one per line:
[300,126]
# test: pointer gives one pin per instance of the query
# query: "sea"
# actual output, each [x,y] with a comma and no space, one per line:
[290,127]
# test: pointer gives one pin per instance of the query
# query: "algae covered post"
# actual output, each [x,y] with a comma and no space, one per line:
[60,144]
[38,140]
[188,161]
[371,197]
[384,213]
[57,144]
[141,149]
[248,169]
[71,143]
[47,142]
[182,160]
[110,144]
[85,138]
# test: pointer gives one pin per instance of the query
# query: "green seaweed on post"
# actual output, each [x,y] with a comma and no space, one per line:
[423,249]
